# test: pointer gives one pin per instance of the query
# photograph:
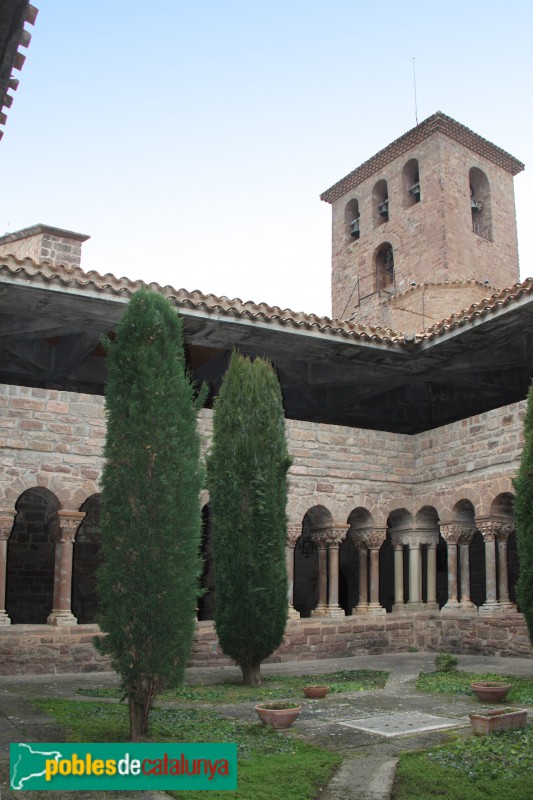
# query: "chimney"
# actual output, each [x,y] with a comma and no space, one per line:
[44,243]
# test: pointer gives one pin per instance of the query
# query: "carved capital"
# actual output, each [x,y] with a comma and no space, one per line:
[329,535]
[69,522]
[293,534]
[489,527]
[451,532]
[7,517]
[467,534]
[506,529]
[373,537]
[398,539]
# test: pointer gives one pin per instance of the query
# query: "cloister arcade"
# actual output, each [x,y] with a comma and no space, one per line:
[457,559]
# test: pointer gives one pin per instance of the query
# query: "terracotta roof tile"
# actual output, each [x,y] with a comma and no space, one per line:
[437,122]
[108,284]
[13,36]
[483,308]
[75,277]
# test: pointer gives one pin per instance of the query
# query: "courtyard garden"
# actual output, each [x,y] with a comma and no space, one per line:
[465,768]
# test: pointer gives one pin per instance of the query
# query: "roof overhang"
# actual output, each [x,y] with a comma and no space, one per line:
[330,372]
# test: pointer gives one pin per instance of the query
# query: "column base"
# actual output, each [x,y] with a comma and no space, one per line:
[376,610]
[320,611]
[61,618]
[328,611]
[452,606]
[4,619]
[431,606]
[362,608]
[415,605]
[292,613]
[399,608]
[468,605]
[508,607]
[491,609]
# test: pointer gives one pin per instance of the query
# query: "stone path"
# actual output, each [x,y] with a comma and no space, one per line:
[369,729]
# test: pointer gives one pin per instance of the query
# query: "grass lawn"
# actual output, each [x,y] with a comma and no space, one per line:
[457,682]
[273,687]
[498,767]
[268,759]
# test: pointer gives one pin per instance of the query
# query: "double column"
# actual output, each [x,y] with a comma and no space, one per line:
[458,537]
[496,534]
[414,541]
[327,540]
[69,522]
[7,517]
[368,541]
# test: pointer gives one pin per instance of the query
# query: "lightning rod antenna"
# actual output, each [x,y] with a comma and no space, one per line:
[414,84]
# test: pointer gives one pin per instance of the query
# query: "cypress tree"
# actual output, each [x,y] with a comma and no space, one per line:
[151,521]
[247,476]
[523,511]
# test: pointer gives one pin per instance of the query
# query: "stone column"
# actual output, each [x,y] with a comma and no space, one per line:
[415,587]
[466,536]
[432,603]
[69,522]
[362,606]
[7,517]
[502,538]
[399,600]
[329,537]
[321,544]
[293,534]
[489,527]
[451,532]
[374,538]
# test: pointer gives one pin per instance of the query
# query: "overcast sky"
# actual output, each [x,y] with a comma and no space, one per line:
[191,140]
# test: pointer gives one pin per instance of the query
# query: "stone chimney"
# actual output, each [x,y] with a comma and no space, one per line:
[44,243]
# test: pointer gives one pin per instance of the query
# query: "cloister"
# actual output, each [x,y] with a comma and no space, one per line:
[402,563]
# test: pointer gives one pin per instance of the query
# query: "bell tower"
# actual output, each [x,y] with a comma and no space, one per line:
[424,228]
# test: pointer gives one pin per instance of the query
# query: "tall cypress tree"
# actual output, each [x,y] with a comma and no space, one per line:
[247,477]
[523,511]
[151,521]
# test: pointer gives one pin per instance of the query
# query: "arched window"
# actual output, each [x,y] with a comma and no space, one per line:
[480,204]
[380,201]
[384,264]
[31,557]
[411,183]
[351,221]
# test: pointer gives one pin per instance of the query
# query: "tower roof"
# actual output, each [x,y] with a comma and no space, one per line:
[437,123]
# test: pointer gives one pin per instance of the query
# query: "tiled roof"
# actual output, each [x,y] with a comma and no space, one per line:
[77,279]
[438,122]
[13,35]
[74,278]
[506,298]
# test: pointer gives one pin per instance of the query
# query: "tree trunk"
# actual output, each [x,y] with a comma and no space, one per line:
[251,674]
[139,713]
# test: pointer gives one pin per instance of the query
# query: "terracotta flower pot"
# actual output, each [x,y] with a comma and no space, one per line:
[490,691]
[498,719]
[315,692]
[279,715]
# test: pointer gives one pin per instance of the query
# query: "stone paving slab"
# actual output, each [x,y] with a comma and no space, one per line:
[403,723]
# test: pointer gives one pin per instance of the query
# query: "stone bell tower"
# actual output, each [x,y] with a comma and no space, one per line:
[424,228]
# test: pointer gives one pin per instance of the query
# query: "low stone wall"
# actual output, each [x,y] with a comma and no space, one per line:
[27,649]
[44,649]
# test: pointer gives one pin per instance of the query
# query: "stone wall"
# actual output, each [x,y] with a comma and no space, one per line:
[37,649]
[51,439]
[54,439]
